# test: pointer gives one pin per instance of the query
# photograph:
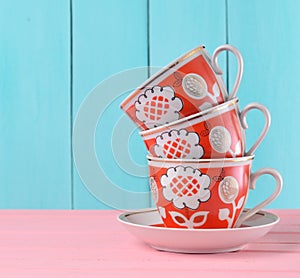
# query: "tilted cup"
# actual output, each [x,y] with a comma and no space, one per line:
[206,193]
[215,133]
[186,86]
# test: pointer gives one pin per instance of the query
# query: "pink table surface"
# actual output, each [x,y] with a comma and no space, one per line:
[94,244]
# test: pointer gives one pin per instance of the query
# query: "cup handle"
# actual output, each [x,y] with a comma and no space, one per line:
[266,128]
[219,71]
[253,178]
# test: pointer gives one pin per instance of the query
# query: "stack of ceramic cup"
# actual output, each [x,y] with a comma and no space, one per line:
[199,164]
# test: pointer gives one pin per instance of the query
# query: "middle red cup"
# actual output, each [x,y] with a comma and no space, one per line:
[217,132]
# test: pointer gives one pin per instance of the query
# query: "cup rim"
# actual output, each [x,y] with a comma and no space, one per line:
[161,72]
[200,161]
[219,107]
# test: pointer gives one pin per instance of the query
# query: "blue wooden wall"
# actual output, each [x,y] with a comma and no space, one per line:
[53,54]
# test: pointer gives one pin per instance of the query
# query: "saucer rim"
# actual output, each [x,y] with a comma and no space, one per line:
[122,219]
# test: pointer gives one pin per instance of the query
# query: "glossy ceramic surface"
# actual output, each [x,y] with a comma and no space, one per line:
[147,226]
[205,193]
[184,87]
[215,133]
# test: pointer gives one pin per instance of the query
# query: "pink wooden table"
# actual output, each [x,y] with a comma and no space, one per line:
[93,244]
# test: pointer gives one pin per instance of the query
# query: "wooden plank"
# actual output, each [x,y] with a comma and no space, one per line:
[266,32]
[35,155]
[287,228]
[179,26]
[135,273]
[92,242]
[282,237]
[273,247]
[109,37]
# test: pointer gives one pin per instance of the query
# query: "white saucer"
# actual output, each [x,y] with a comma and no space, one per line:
[140,223]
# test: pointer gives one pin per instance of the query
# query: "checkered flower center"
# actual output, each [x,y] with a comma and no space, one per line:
[178,144]
[156,108]
[179,148]
[184,186]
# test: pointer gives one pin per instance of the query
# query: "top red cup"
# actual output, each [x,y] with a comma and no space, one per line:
[188,85]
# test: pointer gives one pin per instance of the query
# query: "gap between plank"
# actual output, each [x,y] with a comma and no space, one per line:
[148,38]
[71,104]
[148,64]
[227,42]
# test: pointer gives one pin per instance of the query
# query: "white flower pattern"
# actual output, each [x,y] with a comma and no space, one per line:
[192,222]
[228,189]
[228,192]
[194,85]
[178,144]
[158,106]
[220,141]
[185,187]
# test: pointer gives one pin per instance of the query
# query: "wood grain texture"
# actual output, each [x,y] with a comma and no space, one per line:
[35,152]
[92,243]
[267,32]
[177,27]
[108,37]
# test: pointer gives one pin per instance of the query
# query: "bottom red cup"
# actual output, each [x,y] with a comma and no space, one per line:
[206,193]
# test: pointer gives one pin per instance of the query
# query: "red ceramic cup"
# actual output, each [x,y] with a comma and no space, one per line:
[199,194]
[186,86]
[217,132]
